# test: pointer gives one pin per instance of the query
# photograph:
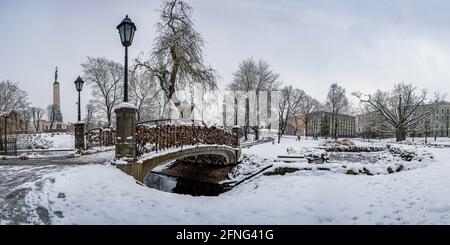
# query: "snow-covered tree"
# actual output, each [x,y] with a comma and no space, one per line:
[309,109]
[253,76]
[176,60]
[336,103]
[12,97]
[289,106]
[144,93]
[104,77]
[398,106]
[37,116]
[52,111]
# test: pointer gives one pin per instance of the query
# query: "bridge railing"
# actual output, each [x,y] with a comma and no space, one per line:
[163,134]
[98,137]
[154,138]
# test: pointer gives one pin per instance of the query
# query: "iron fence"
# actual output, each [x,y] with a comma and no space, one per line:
[8,147]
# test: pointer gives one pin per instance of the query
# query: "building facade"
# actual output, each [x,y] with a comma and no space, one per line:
[295,126]
[322,125]
[435,122]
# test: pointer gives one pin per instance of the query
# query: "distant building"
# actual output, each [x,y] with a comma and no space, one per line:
[295,126]
[322,125]
[373,125]
[45,126]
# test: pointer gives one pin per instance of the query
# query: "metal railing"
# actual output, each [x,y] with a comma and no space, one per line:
[162,134]
[170,121]
[98,137]
[8,147]
[161,137]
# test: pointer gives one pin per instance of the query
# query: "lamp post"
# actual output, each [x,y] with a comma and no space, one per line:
[126,113]
[126,30]
[79,86]
[79,126]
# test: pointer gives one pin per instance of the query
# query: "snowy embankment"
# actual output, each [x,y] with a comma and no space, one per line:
[102,194]
[45,141]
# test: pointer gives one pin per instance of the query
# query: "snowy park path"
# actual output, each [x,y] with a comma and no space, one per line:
[19,177]
[99,157]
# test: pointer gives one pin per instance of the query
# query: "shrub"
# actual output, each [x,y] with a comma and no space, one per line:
[390,170]
[366,171]
[351,172]
[400,168]
[282,171]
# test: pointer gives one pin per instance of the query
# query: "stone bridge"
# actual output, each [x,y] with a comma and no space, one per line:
[155,144]
[209,154]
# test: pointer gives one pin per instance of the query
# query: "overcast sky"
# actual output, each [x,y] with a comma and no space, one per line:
[363,45]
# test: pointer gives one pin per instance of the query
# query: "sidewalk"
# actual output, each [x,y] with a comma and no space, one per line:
[94,158]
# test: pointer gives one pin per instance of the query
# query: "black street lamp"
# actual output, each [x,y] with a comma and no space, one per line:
[79,86]
[126,30]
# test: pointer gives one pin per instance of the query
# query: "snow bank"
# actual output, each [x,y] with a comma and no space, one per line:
[101,194]
[249,166]
[45,141]
[347,145]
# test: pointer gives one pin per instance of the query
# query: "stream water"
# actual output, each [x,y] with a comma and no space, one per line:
[180,185]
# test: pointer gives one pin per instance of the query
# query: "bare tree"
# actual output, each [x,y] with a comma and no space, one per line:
[336,103]
[37,116]
[12,97]
[309,108]
[52,110]
[26,116]
[398,106]
[253,76]
[104,76]
[426,124]
[289,107]
[90,112]
[177,56]
[143,92]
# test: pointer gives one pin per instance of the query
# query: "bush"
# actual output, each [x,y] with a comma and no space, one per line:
[366,171]
[351,172]
[282,171]
[400,168]
[390,170]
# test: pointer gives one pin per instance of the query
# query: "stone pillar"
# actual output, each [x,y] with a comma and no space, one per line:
[236,132]
[79,136]
[126,132]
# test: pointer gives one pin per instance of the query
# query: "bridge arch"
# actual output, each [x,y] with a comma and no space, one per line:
[141,168]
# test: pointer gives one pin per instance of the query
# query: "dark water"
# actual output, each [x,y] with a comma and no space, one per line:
[183,186]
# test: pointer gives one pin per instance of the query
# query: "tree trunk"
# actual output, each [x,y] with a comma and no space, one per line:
[279,136]
[247,118]
[335,129]
[256,133]
[306,130]
[400,134]
[108,115]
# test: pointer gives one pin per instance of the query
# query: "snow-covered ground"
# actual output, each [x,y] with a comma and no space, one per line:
[102,194]
[45,141]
